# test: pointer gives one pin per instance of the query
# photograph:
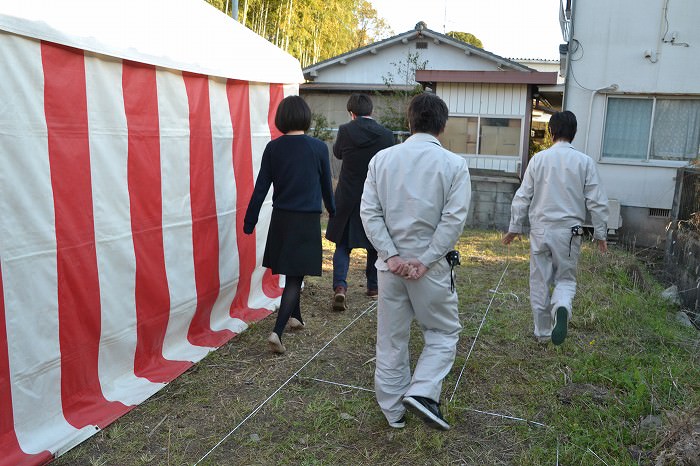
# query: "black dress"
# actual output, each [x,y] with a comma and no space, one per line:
[293,244]
[298,168]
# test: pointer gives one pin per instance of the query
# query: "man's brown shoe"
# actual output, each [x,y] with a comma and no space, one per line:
[339,299]
[372,293]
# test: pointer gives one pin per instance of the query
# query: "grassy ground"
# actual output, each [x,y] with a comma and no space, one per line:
[624,388]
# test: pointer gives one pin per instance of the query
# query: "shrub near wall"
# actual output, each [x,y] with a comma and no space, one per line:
[682,262]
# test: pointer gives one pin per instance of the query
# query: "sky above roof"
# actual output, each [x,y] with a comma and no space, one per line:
[509,28]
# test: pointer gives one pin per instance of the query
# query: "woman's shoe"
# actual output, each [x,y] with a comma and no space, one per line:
[295,324]
[275,345]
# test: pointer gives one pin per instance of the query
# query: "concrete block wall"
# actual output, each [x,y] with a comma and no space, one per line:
[491,198]
[492,195]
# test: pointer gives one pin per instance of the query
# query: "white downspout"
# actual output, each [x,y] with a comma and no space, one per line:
[610,88]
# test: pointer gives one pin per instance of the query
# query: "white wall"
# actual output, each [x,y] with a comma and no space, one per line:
[547,66]
[610,41]
[369,68]
[488,100]
[484,99]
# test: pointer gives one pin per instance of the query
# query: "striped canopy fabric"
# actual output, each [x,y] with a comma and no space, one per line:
[123,188]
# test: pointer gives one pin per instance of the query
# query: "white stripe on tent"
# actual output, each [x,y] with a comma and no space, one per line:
[260,136]
[29,254]
[225,190]
[116,261]
[173,115]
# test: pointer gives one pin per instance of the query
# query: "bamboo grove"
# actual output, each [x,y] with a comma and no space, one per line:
[311,30]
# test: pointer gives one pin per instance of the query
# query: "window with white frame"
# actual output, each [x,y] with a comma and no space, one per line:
[652,128]
[482,135]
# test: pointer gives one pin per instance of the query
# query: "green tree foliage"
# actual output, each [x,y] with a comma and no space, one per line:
[538,146]
[311,30]
[370,27]
[222,5]
[466,37]
[403,86]
[320,127]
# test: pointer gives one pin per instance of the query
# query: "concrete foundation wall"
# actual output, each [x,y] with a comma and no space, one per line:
[491,199]
[641,229]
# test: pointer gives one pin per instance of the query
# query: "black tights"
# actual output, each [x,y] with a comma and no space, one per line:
[289,306]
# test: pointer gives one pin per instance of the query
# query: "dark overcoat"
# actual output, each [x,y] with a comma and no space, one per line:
[357,142]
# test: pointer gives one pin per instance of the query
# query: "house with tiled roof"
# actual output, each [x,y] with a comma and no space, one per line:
[490,97]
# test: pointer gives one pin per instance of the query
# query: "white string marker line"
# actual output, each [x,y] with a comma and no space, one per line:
[255,411]
[483,319]
[466,409]
[341,384]
[506,417]
[594,454]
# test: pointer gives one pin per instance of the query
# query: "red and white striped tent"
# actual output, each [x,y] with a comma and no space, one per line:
[130,136]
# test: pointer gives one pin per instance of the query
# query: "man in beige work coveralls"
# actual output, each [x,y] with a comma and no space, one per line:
[414,205]
[559,186]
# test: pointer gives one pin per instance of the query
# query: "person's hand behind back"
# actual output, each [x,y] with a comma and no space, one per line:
[509,237]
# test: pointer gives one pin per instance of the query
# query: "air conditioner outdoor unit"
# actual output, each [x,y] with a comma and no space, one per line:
[614,217]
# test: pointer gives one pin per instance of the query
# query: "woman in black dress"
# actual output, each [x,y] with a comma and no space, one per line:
[298,168]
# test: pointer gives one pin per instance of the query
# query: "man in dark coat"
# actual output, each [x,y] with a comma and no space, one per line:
[356,144]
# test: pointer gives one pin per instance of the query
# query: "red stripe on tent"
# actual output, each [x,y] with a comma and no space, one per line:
[276,96]
[271,282]
[205,230]
[11,451]
[65,106]
[146,206]
[239,106]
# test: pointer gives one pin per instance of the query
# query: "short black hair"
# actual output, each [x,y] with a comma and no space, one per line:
[427,113]
[293,114]
[562,125]
[360,104]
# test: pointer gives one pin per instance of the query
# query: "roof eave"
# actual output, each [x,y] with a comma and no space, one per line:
[495,77]
[310,72]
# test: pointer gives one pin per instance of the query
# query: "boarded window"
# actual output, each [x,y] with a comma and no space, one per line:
[482,136]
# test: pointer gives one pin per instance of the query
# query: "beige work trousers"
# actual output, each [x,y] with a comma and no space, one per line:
[553,261]
[435,307]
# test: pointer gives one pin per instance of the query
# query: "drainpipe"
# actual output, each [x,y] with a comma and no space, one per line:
[525,152]
[610,88]
[567,74]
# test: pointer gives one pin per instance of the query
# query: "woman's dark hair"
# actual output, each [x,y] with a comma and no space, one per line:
[427,113]
[562,125]
[360,104]
[293,114]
